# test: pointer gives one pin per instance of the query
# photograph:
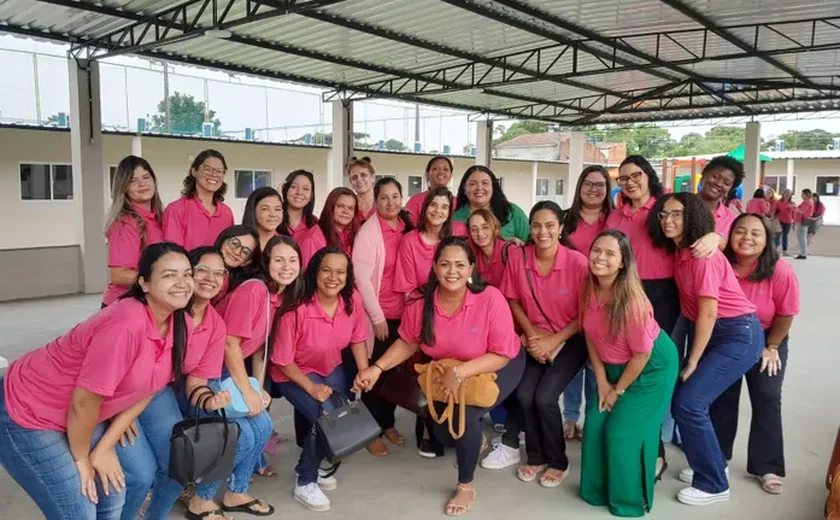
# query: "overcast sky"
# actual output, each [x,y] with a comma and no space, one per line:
[132,88]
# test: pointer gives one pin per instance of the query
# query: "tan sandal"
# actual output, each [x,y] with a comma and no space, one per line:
[771,483]
[528,473]
[453,509]
[553,478]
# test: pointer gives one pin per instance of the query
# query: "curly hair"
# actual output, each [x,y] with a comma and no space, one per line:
[311,278]
[768,258]
[725,162]
[190,188]
[697,221]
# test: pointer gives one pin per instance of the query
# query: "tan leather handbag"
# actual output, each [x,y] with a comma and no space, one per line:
[481,391]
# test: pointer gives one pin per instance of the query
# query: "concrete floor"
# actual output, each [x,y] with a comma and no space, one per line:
[406,486]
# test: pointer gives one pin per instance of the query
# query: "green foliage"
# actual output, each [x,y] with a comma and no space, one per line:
[816,139]
[520,128]
[186,116]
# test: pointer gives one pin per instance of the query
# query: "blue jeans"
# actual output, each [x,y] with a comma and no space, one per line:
[734,347]
[682,337]
[313,452]
[41,463]
[782,238]
[146,462]
[573,393]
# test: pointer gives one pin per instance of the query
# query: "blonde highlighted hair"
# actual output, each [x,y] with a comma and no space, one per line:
[121,204]
[488,217]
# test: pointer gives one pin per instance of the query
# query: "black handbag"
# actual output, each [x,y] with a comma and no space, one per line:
[345,430]
[202,449]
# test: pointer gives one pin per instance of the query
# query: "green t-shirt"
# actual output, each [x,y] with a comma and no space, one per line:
[517,225]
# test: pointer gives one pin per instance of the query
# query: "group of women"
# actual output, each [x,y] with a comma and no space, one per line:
[664,303]
[785,216]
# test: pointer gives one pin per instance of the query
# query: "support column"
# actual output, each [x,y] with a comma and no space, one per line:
[89,181]
[790,170]
[342,143]
[694,175]
[752,168]
[576,144]
[137,146]
[535,172]
[484,142]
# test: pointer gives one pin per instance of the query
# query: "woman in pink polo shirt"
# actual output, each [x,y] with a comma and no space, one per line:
[362,176]
[581,224]
[758,204]
[298,191]
[197,218]
[306,356]
[726,342]
[414,260]
[375,263]
[263,212]
[784,209]
[489,247]
[55,436]
[133,222]
[240,249]
[816,221]
[635,364]
[720,178]
[438,175]
[543,282]
[772,286]
[337,226]
[459,317]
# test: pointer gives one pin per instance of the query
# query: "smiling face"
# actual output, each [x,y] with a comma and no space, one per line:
[283,264]
[300,193]
[210,175]
[545,229]
[439,174]
[453,269]
[671,219]
[633,182]
[141,189]
[344,211]
[209,275]
[171,284]
[238,251]
[389,202]
[361,179]
[605,257]
[749,238]
[479,189]
[593,190]
[716,184]
[269,213]
[332,275]
[438,211]
[482,233]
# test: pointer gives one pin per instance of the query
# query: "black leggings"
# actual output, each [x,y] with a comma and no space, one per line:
[468,447]
[382,409]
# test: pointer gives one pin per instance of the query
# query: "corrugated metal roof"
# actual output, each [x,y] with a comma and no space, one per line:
[567,61]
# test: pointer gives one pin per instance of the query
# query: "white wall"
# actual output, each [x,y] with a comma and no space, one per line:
[806,171]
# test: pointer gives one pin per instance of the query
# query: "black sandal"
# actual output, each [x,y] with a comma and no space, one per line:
[248,508]
[189,515]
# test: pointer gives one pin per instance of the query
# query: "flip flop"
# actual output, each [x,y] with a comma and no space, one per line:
[771,483]
[267,472]
[248,508]
[525,477]
[548,480]
[189,515]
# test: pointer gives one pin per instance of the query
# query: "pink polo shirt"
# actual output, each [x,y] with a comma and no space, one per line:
[124,246]
[493,271]
[586,233]
[312,340]
[759,206]
[786,210]
[636,338]
[312,240]
[483,324]
[775,296]
[301,231]
[558,292]
[653,263]
[391,300]
[723,220]
[805,210]
[711,277]
[117,353]
[414,262]
[206,346]
[244,312]
[188,223]
[459,229]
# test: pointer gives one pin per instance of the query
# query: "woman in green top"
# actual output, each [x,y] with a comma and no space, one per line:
[481,189]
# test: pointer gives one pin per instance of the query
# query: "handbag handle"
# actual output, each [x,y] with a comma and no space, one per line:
[533,292]
[197,436]
[449,412]
[341,399]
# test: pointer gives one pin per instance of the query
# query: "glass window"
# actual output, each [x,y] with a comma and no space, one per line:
[415,185]
[542,187]
[62,182]
[779,182]
[384,175]
[828,186]
[246,181]
[558,188]
[46,182]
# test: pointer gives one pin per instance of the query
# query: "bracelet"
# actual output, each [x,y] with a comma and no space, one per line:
[455,372]
[379,367]
[80,461]
[618,392]
[772,347]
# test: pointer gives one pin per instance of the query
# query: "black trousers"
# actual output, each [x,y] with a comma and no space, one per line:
[381,409]
[765,448]
[539,394]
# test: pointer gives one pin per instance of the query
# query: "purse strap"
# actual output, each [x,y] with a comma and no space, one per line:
[533,292]
[449,413]
[226,435]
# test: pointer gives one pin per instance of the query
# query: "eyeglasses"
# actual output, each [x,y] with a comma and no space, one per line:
[635,177]
[673,215]
[209,170]
[205,271]
[597,186]
[239,249]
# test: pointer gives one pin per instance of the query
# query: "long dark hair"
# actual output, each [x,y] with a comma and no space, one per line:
[237,275]
[148,258]
[499,204]
[555,208]
[327,223]
[311,285]
[249,215]
[404,216]
[308,210]
[446,228]
[655,187]
[293,293]
[769,257]
[572,217]
[190,189]
[427,332]
[697,221]
[122,205]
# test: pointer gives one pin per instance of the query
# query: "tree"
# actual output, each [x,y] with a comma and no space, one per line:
[816,139]
[395,146]
[186,116]
[646,140]
[468,148]
[521,128]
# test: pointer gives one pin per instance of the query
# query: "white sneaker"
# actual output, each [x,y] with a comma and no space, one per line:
[329,483]
[312,497]
[687,475]
[501,457]
[694,497]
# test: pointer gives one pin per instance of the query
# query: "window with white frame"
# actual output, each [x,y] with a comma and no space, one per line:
[415,185]
[779,183]
[40,181]
[828,185]
[558,186]
[246,181]
[384,175]
[542,187]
